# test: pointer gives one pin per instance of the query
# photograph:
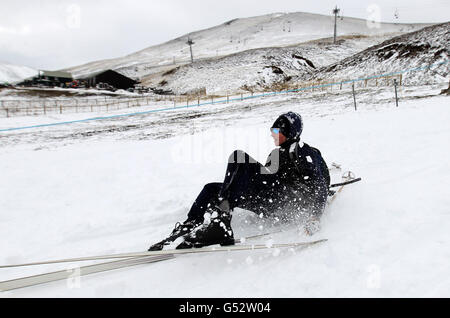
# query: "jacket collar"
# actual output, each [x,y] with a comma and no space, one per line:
[287,144]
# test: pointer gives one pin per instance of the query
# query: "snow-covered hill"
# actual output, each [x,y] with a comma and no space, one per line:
[258,69]
[428,46]
[10,73]
[253,69]
[279,29]
[354,57]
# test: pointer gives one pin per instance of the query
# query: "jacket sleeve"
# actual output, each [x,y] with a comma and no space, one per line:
[273,161]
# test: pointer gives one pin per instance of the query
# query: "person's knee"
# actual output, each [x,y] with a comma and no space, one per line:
[213,187]
[237,156]
[240,156]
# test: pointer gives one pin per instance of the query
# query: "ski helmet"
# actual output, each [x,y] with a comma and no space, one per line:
[290,125]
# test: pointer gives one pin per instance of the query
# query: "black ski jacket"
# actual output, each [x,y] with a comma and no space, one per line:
[299,175]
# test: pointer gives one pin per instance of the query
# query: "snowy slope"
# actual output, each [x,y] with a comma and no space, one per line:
[117,185]
[250,70]
[278,29]
[430,45]
[10,73]
[270,68]
[256,69]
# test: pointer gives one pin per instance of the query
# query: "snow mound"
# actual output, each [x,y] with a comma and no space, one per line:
[424,47]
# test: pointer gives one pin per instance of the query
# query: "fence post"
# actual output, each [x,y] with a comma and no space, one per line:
[45,110]
[60,108]
[198,100]
[7,112]
[242,97]
[396,97]
[354,97]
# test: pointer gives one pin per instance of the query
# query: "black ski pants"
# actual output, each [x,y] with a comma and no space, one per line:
[247,185]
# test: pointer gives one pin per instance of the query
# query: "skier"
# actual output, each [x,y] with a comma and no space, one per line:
[293,183]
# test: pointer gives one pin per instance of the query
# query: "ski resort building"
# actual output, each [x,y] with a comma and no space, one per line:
[109,77]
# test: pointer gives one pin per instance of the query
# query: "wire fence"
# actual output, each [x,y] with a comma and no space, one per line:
[166,103]
[46,106]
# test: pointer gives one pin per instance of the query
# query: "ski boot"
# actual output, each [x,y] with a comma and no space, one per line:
[179,230]
[216,229]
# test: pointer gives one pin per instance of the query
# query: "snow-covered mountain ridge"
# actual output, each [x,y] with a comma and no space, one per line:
[353,57]
[272,30]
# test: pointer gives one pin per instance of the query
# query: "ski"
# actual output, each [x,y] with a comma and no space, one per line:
[345,183]
[137,259]
[115,256]
[253,237]
[78,271]
[347,178]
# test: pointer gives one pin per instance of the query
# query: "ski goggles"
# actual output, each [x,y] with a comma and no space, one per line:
[276,131]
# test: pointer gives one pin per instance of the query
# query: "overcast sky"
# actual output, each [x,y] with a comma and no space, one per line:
[54,34]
